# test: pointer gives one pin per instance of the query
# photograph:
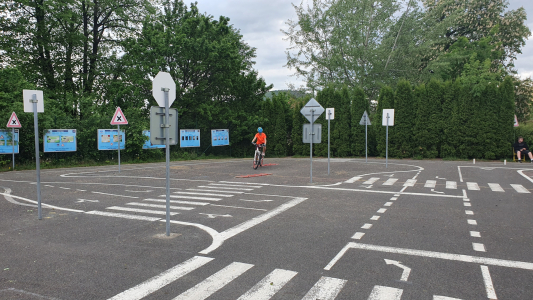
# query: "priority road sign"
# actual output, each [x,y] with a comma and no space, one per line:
[312,110]
[14,121]
[365,120]
[119,118]
[163,80]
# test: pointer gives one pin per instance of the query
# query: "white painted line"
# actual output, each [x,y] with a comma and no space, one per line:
[235,185]
[371,180]
[520,189]
[160,206]
[374,218]
[466,199]
[178,202]
[469,212]
[385,293]
[471,222]
[460,175]
[475,234]
[495,187]
[123,216]
[251,183]
[410,182]
[326,288]
[214,282]
[388,204]
[367,226]
[138,210]
[382,210]
[398,195]
[394,198]
[467,204]
[10,197]
[479,247]
[64,188]
[250,208]
[81,190]
[432,254]
[353,179]
[435,297]
[269,286]
[451,185]
[115,195]
[256,200]
[472,186]
[224,188]
[489,287]
[48,185]
[204,190]
[390,181]
[192,197]
[159,281]
[358,235]
[203,194]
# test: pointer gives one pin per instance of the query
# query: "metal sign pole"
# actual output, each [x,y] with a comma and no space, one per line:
[329,120]
[119,136]
[312,134]
[387,145]
[167,138]
[13,142]
[37,160]
[366,140]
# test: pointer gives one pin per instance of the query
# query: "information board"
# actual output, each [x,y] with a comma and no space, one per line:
[60,140]
[108,139]
[189,138]
[6,141]
[148,144]
[219,137]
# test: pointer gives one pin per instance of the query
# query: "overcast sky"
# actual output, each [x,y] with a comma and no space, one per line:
[260,22]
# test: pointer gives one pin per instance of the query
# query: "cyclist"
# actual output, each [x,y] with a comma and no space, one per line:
[261,139]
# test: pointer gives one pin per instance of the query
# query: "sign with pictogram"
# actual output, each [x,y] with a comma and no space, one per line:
[14,121]
[119,118]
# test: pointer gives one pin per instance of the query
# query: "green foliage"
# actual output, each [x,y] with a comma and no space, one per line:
[404,110]
[385,101]
[359,106]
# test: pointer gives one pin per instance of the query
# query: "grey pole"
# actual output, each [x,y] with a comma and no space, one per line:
[13,142]
[118,128]
[312,133]
[37,160]
[329,116]
[387,145]
[167,137]
[366,139]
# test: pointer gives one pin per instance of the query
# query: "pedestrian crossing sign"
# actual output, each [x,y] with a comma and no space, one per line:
[14,121]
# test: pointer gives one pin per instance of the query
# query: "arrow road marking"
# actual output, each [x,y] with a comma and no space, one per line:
[85,200]
[406,270]
[212,216]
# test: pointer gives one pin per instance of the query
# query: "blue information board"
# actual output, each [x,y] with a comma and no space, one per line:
[148,145]
[108,139]
[219,137]
[6,142]
[60,140]
[189,138]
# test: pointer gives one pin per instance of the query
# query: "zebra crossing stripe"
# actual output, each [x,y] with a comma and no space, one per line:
[520,188]
[326,288]
[235,185]
[451,185]
[371,180]
[444,298]
[178,201]
[430,183]
[385,293]
[214,282]
[224,188]
[268,286]
[210,191]
[157,282]
[472,186]
[352,180]
[410,182]
[138,210]
[192,197]
[495,187]
[123,216]
[203,194]
[390,181]
[160,206]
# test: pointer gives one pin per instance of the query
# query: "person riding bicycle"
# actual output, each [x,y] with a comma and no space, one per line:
[261,139]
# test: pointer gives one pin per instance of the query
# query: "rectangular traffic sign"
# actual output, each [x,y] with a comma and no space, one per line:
[315,134]
[390,114]
[330,113]
[27,97]
[157,125]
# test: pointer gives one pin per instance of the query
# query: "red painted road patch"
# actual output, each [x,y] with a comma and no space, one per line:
[253,175]
[268,165]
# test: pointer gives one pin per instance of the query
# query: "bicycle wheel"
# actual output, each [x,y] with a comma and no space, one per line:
[256,161]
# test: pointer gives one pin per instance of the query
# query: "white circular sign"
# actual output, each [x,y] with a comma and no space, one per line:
[163,80]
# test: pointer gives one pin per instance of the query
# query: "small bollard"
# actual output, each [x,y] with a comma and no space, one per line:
[505,162]
[474,161]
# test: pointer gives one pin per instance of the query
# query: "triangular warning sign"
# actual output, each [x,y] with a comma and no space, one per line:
[119,118]
[365,120]
[14,121]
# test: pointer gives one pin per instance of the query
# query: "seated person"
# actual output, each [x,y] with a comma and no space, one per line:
[521,148]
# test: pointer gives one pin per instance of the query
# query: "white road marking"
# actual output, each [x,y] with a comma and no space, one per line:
[48,185]
[382,210]
[371,180]
[192,197]
[520,189]
[467,204]
[138,210]
[495,187]
[212,216]
[64,188]
[224,188]
[214,282]
[157,282]
[358,235]
[388,204]
[327,288]
[451,185]
[148,191]
[269,286]
[460,175]
[251,183]
[81,190]
[235,185]
[466,199]
[85,200]
[471,222]
[250,208]
[394,198]
[479,247]
[353,179]
[123,216]
[435,297]
[10,197]
[469,212]
[256,200]
[390,181]
[475,234]
[204,190]
[115,195]
[160,206]
[406,270]
[203,194]
[366,226]
[433,190]
[489,287]
[385,293]
[410,182]
[374,218]
[398,195]
[472,186]
[177,201]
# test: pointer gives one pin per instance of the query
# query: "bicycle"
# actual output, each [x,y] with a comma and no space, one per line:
[258,156]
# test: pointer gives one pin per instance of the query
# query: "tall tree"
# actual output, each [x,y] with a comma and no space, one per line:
[358,107]
[404,120]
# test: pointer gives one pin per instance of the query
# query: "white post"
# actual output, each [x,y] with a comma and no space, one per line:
[312,134]
[387,145]
[329,120]
[366,139]
[167,138]
[37,160]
